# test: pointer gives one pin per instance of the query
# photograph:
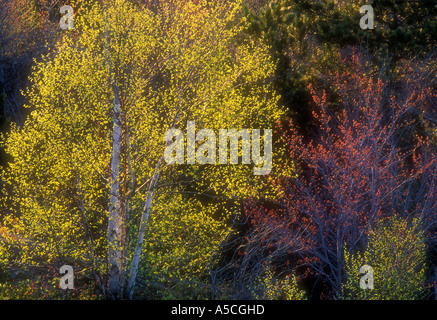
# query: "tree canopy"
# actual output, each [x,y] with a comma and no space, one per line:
[244,149]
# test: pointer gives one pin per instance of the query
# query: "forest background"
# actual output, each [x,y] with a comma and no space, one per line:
[83,116]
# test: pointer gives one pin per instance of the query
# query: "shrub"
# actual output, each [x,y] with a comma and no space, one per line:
[396,252]
[275,288]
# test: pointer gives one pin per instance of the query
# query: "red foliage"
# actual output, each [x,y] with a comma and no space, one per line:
[365,163]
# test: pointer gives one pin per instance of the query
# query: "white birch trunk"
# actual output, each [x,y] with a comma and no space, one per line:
[114,228]
[144,218]
[142,229]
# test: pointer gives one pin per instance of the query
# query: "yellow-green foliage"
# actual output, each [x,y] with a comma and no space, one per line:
[179,242]
[44,287]
[396,252]
[274,288]
[4,240]
[181,63]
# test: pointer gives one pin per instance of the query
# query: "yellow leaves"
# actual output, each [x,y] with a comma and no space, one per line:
[182,234]
[396,252]
[183,60]
[274,288]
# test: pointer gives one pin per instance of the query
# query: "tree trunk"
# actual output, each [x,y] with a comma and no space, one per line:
[116,230]
[144,218]
[142,229]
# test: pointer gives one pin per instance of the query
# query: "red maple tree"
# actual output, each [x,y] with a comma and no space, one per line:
[367,162]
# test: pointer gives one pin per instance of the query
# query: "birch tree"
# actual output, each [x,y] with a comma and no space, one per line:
[89,159]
